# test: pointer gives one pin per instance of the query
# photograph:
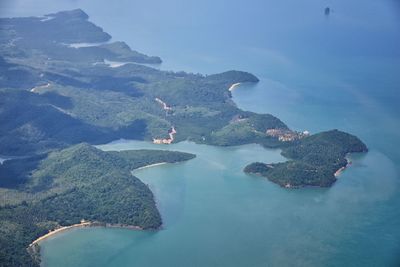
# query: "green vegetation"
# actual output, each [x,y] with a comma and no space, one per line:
[313,160]
[80,182]
[248,128]
[69,88]
[121,52]
[42,124]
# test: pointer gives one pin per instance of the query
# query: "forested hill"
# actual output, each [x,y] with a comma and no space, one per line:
[313,160]
[80,182]
[68,83]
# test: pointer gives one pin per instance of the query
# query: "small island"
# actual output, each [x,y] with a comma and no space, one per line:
[327,11]
[314,160]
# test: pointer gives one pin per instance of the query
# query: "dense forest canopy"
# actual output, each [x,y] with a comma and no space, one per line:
[64,187]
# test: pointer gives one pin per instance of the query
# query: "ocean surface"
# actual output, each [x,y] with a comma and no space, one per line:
[317,73]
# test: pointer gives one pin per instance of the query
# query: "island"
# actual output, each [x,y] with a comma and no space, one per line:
[327,11]
[315,160]
[65,86]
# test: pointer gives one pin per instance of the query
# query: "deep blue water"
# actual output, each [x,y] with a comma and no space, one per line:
[317,73]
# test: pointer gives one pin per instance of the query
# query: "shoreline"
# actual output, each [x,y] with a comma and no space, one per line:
[339,172]
[91,224]
[59,230]
[82,225]
[233,86]
[341,169]
[150,165]
[115,64]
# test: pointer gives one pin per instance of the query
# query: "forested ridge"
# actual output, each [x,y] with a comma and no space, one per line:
[313,160]
[80,182]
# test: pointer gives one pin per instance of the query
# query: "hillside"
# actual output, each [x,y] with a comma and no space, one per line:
[77,88]
[313,160]
[80,182]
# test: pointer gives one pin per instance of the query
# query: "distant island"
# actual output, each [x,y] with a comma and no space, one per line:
[64,87]
[327,11]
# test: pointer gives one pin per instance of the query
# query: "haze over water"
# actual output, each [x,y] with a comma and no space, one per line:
[317,73]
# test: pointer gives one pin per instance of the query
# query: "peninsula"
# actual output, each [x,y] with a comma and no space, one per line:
[58,190]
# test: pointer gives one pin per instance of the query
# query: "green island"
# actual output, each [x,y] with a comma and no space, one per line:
[64,86]
[315,160]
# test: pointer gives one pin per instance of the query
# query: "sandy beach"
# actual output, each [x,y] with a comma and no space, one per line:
[89,224]
[84,224]
[233,86]
[151,165]
[115,64]
[59,230]
[36,88]
[338,172]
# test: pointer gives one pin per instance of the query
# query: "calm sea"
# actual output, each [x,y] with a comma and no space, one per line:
[317,73]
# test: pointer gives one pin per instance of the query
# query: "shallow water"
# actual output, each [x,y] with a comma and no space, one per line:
[316,73]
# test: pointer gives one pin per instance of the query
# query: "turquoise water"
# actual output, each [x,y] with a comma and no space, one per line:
[317,73]
[215,215]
